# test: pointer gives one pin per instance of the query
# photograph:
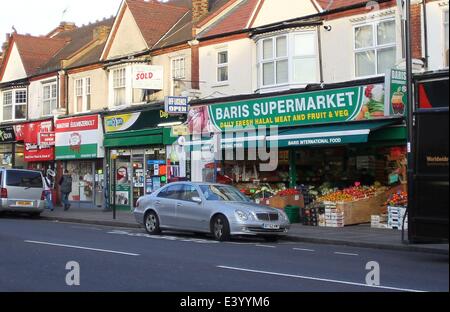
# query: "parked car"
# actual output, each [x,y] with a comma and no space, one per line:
[22,191]
[209,208]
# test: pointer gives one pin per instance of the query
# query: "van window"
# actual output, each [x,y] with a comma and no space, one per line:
[18,178]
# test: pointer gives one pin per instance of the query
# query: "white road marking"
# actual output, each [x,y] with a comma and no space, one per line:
[304,249]
[346,254]
[84,248]
[319,279]
[265,246]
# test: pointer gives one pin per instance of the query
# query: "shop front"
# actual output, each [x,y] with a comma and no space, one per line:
[140,155]
[11,151]
[321,142]
[79,149]
[38,139]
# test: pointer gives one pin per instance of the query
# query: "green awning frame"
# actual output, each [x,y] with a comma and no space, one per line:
[337,134]
[134,138]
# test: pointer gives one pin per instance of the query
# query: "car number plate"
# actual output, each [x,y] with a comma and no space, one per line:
[24,203]
[271,226]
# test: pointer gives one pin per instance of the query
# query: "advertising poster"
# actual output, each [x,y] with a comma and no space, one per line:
[29,133]
[397,90]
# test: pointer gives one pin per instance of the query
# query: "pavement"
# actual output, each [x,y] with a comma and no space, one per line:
[47,256]
[356,236]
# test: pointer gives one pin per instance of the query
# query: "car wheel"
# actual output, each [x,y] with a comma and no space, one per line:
[271,239]
[151,222]
[35,215]
[221,228]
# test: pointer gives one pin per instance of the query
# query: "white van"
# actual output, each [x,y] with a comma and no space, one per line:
[22,191]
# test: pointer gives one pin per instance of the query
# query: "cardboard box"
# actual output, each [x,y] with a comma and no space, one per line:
[282,202]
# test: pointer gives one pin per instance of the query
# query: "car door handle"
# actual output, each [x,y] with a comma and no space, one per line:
[158,203]
[179,205]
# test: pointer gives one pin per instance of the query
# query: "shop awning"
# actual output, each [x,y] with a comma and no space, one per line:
[335,134]
[355,132]
[134,138]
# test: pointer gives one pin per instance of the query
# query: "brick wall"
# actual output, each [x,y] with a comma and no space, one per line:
[416,31]
[195,67]
[199,9]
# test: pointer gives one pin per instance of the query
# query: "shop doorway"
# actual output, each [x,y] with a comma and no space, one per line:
[87,183]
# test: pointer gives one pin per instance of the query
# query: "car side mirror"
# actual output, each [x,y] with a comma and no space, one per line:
[197,200]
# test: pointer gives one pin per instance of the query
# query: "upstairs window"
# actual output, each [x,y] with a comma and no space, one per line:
[119,86]
[222,66]
[375,48]
[289,59]
[83,94]
[446,34]
[179,68]
[50,95]
[15,105]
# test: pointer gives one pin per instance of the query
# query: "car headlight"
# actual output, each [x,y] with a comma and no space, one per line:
[241,215]
[283,216]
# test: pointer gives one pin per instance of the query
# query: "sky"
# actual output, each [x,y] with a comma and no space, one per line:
[39,17]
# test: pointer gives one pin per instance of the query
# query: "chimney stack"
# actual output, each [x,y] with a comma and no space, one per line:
[199,9]
[101,32]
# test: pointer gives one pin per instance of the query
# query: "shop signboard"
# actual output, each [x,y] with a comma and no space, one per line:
[139,120]
[47,138]
[307,108]
[148,77]
[79,138]
[396,102]
[29,133]
[177,105]
[7,134]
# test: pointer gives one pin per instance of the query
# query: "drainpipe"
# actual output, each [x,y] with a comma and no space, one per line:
[425,33]
[319,39]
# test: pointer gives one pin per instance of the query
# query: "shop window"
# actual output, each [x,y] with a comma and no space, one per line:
[287,60]
[49,102]
[222,66]
[119,86]
[14,105]
[375,48]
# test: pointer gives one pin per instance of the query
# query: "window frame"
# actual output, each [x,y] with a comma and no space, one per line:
[222,65]
[53,96]
[14,104]
[375,46]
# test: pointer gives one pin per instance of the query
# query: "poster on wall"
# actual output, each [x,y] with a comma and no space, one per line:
[396,88]
[307,108]
[29,133]
[79,138]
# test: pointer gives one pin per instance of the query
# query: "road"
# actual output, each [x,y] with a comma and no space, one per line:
[34,255]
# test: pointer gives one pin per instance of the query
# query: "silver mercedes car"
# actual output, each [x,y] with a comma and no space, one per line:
[209,208]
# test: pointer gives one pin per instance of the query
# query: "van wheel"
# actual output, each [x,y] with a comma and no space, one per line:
[221,228]
[151,223]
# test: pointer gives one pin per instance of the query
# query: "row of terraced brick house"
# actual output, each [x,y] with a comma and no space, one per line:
[91,99]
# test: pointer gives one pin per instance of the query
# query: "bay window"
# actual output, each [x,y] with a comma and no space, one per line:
[375,48]
[178,68]
[14,105]
[288,59]
[49,99]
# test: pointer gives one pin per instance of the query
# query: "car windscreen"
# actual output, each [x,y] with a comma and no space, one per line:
[28,179]
[222,193]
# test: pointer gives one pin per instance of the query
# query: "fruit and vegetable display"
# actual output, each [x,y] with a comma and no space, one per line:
[399,199]
[289,192]
[349,194]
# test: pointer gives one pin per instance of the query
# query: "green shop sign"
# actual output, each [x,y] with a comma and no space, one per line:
[308,108]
